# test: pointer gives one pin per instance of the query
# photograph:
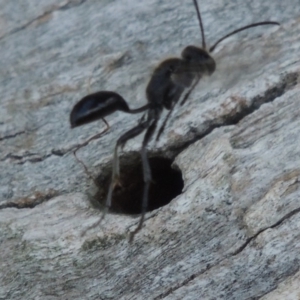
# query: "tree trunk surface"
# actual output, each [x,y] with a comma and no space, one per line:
[233,232]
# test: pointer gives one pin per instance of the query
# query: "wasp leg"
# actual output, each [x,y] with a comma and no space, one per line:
[147,177]
[116,166]
[186,96]
[162,127]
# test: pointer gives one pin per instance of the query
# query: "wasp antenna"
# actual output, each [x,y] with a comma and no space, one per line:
[200,23]
[212,48]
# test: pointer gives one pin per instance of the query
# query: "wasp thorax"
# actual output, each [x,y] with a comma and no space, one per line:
[198,59]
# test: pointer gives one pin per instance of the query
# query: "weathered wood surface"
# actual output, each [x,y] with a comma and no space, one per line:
[234,232]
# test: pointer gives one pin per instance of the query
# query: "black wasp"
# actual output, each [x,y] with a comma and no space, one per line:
[172,80]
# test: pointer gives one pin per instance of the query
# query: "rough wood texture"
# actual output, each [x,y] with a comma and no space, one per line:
[234,232]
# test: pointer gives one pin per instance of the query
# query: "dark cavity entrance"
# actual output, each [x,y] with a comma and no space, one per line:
[127,199]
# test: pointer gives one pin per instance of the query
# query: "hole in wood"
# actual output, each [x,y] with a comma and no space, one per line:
[127,199]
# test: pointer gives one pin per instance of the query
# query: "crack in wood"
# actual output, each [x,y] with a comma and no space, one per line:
[239,250]
[186,281]
[287,82]
[10,136]
[21,159]
[278,223]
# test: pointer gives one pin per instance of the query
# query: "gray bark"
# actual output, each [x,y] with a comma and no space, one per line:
[233,233]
